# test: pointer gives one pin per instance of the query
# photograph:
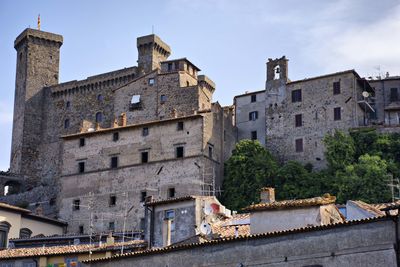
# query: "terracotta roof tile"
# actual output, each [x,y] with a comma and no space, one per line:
[296,203]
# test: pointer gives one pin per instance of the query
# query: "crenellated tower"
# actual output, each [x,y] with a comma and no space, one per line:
[151,51]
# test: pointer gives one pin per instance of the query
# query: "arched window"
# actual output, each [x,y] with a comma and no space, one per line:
[4,228]
[66,123]
[25,233]
[11,187]
[99,117]
[100,97]
[277,73]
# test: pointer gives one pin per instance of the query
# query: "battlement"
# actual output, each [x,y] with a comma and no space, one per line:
[41,35]
[109,79]
[206,82]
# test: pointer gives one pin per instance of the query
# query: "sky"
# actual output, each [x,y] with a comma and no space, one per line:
[229,40]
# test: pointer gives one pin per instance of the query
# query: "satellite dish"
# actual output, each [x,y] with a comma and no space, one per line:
[207,210]
[365,94]
[205,228]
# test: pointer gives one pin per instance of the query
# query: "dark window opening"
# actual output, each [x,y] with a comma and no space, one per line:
[253,98]
[254,135]
[145,157]
[163,98]
[81,167]
[4,229]
[179,152]
[394,95]
[25,233]
[180,126]
[296,95]
[171,192]
[52,201]
[81,231]
[336,88]
[99,117]
[187,83]
[210,151]
[143,196]
[111,226]
[337,116]
[113,200]
[253,115]
[66,124]
[82,142]
[299,145]
[67,104]
[145,131]
[114,162]
[115,137]
[169,66]
[298,120]
[100,98]
[76,204]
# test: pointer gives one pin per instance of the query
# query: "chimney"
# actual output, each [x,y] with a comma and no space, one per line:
[267,195]
[122,119]
[110,239]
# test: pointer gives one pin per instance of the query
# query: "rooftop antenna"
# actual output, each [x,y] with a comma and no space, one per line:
[152,29]
[38,22]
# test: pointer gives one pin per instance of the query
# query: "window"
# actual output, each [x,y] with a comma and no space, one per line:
[171,192]
[81,167]
[68,104]
[394,95]
[100,98]
[81,229]
[163,98]
[179,126]
[298,120]
[169,214]
[111,226]
[114,162]
[113,200]
[151,81]
[253,98]
[135,103]
[210,151]
[25,233]
[99,117]
[143,196]
[145,131]
[336,88]
[299,145]
[66,123]
[82,142]
[4,228]
[253,115]
[254,135]
[145,157]
[179,152]
[296,95]
[337,116]
[187,83]
[76,204]
[169,66]
[115,136]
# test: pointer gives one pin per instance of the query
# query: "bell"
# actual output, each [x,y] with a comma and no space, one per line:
[278,70]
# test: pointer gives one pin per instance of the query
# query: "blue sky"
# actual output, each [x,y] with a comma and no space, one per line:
[229,40]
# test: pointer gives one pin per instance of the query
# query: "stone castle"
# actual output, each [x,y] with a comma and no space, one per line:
[92,151]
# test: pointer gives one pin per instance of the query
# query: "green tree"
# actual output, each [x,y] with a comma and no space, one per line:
[340,150]
[250,168]
[366,180]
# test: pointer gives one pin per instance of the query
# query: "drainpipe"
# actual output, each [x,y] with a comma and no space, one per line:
[151,227]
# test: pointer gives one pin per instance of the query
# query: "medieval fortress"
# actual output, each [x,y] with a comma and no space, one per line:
[90,152]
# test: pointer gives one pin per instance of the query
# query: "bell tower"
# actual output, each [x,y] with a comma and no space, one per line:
[38,57]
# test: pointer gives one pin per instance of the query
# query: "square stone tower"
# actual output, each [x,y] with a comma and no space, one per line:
[38,57]
[151,51]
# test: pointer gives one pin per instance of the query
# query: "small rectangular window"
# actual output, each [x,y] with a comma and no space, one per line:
[299,145]
[180,126]
[114,162]
[179,152]
[169,214]
[113,200]
[151,81]
[210,151]
[337,116]
[81,229]
[254,135]
[145,157]
[171,192]
[82,142]
[76,204]
[81,167]
[298,120]
[336,88]
[143,196]
[253,98]
[253,115]
[296,95]
[115,136]
[394,95]
[111,226]
[145,131]
[163,98]
[169,66]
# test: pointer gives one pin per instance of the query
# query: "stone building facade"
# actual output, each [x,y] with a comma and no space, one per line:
[298,114]
[51,119]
